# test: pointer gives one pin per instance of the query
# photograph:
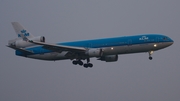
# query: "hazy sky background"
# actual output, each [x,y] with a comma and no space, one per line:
[133,78]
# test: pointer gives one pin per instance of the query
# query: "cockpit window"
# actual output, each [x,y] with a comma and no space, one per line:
[165,38]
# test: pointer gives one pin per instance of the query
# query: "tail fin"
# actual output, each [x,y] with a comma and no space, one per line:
[21,31]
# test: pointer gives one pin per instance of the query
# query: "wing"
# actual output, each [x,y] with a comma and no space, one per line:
[20,49]
[59,48]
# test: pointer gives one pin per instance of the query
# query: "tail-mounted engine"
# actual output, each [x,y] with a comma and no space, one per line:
[20,43]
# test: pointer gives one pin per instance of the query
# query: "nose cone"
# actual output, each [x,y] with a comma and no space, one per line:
[171,42]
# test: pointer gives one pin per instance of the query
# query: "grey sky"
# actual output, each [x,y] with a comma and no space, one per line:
[132,78]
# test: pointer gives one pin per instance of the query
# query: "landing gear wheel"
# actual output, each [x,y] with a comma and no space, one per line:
[80,63]
[150,53]
[75,62]
[150,58]
[90,65]
[85,65]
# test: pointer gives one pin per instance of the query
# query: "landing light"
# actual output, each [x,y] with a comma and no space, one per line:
[155,45]
[112,48]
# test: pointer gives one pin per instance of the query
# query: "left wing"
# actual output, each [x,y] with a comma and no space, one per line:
[59,48]
[20,49]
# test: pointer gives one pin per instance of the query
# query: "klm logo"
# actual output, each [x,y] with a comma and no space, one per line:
[23,32]
[143,38]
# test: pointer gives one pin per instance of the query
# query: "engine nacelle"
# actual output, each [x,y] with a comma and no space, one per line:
[38,38]
[96,52]
[109,58]
[20,43]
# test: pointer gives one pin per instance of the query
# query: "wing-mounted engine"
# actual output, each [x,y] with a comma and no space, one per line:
[94,52]
[109,58]
[20,43]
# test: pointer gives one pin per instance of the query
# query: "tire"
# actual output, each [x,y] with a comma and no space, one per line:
[85,65]
[75,62]
[90,65]
[80,63]
[150,58]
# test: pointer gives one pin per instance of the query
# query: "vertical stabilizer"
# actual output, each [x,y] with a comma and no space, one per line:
[20,30]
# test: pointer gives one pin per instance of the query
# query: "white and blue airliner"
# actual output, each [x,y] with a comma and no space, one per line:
[105,49]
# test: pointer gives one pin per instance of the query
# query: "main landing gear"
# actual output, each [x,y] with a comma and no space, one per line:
[86,65]
[75,62]
[150,53]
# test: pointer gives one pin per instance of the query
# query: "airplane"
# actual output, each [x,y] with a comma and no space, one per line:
[105,49]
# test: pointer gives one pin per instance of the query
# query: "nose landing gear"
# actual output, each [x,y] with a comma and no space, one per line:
[150,53]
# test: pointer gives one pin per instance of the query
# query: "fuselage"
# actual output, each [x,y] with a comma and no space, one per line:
[110,46]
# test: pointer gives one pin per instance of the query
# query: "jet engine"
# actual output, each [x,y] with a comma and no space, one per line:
[96,52]
[20,43]
[109,58]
